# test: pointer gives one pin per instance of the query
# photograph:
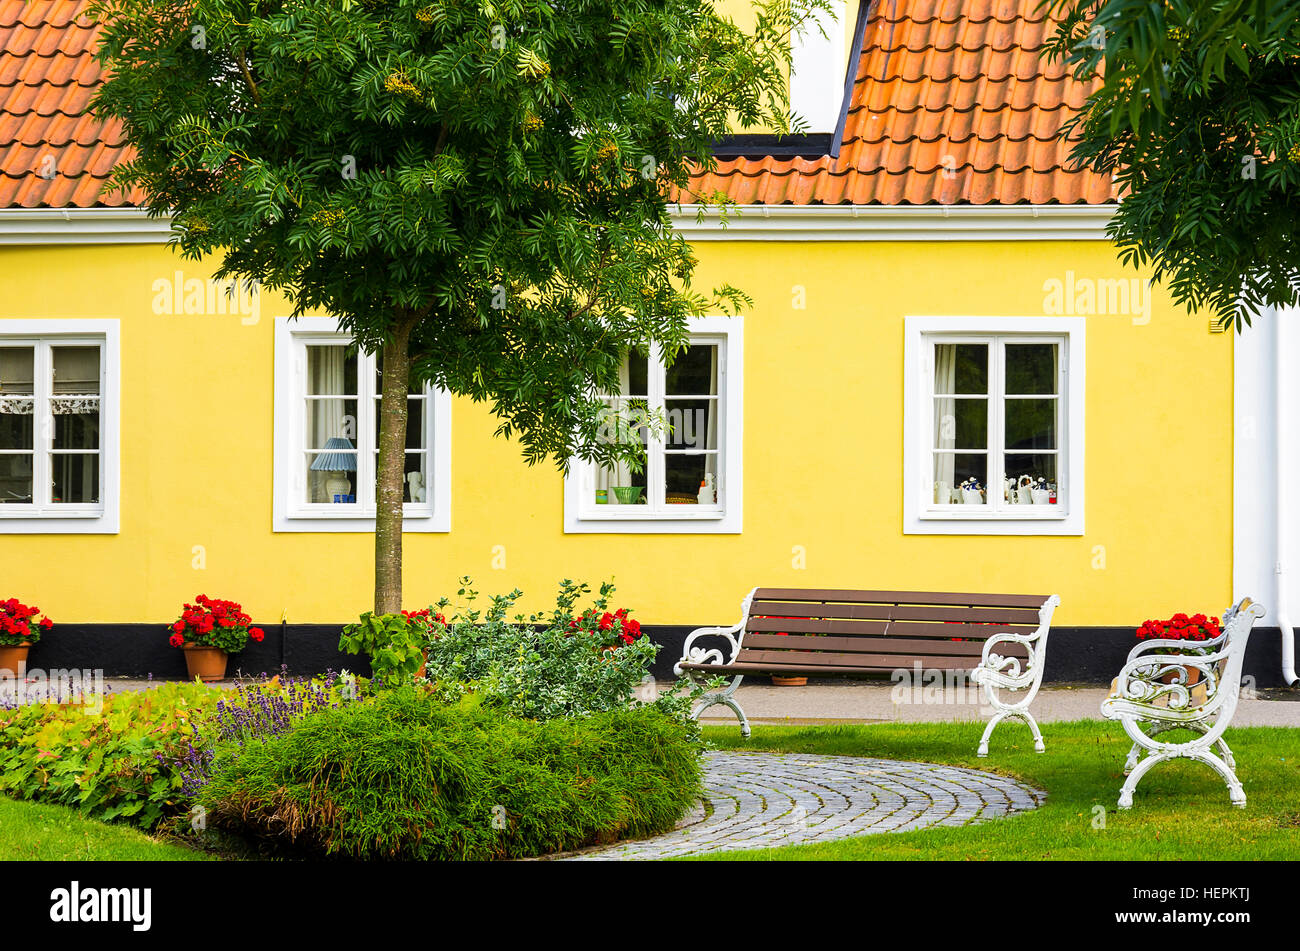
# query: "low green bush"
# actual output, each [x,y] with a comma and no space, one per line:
[405,776]
[117,763]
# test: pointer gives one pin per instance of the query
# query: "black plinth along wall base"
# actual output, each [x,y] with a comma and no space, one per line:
[1090,655]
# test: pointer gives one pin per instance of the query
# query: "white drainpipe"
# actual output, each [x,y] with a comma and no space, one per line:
[1281,444]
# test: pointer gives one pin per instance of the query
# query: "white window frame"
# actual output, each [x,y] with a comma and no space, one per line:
[292,336]
[920,515]
[101,518]
[583,516]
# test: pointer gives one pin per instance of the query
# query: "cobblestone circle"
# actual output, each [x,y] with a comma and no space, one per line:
[762,800]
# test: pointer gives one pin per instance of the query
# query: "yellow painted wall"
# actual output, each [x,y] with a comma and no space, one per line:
[823,455]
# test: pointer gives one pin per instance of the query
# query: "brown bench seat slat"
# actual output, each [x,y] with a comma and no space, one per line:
[900,597]
[892,612]
[833,659]
[885,628]
[874,645]
[956,663]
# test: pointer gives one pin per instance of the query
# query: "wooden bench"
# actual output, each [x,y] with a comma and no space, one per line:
[835,633]
[1171,685]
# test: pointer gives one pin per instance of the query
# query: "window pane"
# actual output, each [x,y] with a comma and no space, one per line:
[960,477]
[76,477]
[690,475]
[76,422]
[961,424]
[17,408]
[1031,368]
[331,370]
[1030,424]
[17,416]
[331,424]
[694,372]
[1033,478]
[620,485]
[16,371]
[16,478]
[961,368]
[691,424]
[332,477]
[76,370]
[417,478]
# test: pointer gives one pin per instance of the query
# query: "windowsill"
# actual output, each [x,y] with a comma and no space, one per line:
[992,524]
[629,513]
[62,523]
[425,522]
[958,515]
[704,523]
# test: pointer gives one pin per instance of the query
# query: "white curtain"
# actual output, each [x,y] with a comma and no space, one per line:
[945,420]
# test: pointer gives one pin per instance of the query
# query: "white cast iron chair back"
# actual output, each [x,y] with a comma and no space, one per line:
[996,673]
[692,654]
[1154,694]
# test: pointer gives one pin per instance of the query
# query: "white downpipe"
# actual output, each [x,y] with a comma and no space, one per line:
[1282,500]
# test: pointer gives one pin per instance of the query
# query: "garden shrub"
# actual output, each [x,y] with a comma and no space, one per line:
[564,664]
[405,776]
[114,764]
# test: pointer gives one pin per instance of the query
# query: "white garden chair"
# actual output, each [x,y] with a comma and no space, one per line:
[1152,695]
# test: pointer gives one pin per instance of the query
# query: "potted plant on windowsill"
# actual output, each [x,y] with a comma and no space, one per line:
[19,630]
[209,631]
[1182,627]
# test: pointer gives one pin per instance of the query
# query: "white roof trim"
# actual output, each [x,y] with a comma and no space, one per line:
[81,226]
[745,223]
[897,223]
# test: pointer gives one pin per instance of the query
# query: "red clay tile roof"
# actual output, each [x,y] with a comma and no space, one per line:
[952,103]
[52,153]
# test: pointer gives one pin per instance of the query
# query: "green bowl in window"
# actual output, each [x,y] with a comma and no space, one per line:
[627,494]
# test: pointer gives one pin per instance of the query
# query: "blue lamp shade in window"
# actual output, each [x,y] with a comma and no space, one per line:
[334,459]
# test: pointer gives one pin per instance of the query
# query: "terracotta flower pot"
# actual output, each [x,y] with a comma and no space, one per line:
[206,663]
[13,658]
[789,681]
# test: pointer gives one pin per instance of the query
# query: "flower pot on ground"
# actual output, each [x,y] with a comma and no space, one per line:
[209,631]
[789,681]
[19,630]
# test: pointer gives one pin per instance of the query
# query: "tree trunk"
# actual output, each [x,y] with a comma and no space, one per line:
[389,473]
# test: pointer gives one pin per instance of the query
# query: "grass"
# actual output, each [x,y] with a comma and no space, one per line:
[34,832]
[1180,811]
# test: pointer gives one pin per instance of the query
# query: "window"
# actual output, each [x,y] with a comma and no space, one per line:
[327,436]
[691,481]
[994,422]
[58,426]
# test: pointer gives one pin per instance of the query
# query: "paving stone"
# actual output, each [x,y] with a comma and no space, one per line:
[763,800]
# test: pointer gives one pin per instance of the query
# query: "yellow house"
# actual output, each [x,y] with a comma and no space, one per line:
[947,382]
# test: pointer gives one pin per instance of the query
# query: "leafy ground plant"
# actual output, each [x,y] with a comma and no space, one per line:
[408,777]
[112,765]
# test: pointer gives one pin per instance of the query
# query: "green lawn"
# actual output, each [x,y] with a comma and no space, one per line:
[29,831]
[1180,810]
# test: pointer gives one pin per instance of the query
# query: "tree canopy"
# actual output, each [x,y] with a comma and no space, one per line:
[1198,117]
[478,187]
